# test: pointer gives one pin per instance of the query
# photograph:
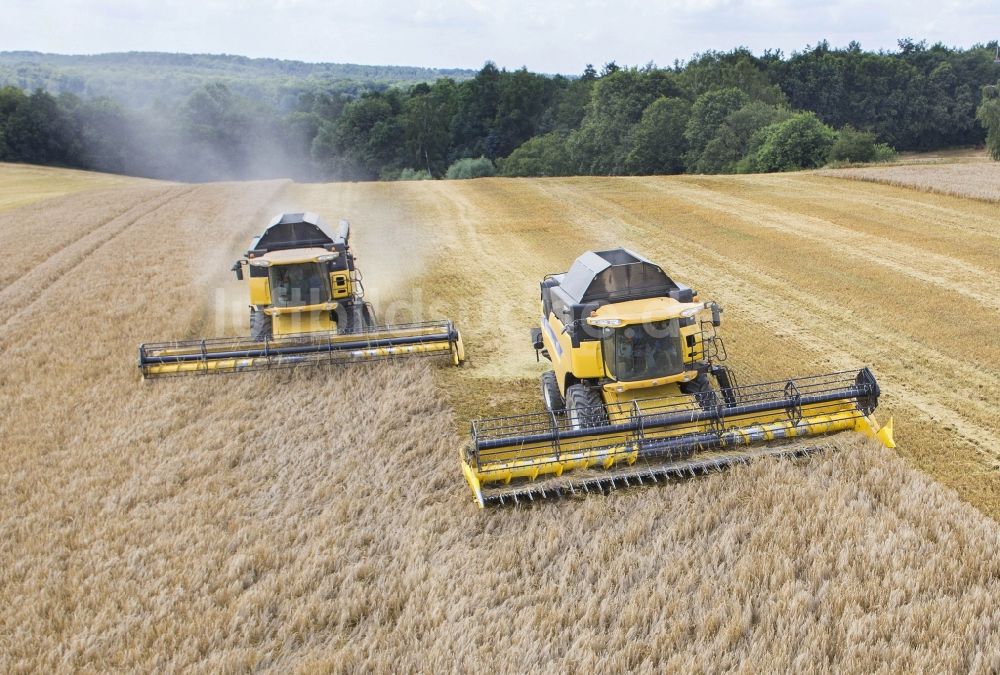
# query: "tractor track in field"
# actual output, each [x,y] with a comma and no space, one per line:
[942,271]
[884,198]
[509,255]
[40,231]
[925,391]
[30,289]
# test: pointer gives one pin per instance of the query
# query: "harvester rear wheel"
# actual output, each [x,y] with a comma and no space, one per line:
[260,325]
[554,402]
[585,407]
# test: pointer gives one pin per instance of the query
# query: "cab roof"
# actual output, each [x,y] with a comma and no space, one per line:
[295,256]
[615,275]
[297,230]
[644,311]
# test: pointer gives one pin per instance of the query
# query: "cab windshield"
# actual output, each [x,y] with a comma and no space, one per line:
[298,285]
[644,352]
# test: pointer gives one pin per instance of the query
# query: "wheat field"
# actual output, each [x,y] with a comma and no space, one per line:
[22,184]
[964,174]
[316,520]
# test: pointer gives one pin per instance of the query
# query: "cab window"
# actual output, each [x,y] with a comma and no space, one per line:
[299,285]
[644,352]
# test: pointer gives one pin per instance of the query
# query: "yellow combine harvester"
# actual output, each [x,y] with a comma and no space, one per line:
[306,306]
[630,396]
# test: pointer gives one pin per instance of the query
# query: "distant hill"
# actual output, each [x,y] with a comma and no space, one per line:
[139,79]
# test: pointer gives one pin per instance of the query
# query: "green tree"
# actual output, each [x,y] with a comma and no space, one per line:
[571,100]
[800,142]
[853,146]
[732,138]
[617,102]
[415,174]
[11,98]
[709,111]
[366,139]
[469,167]
[921,97]
[426,119]
[35,129]
[215,125]
[476,111]
[524,99]
[104,133]
[988,115]
[544,155]
[738,69]
[657,143]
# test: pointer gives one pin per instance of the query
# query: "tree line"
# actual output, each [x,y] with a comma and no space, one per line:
[721,112]
[138,79]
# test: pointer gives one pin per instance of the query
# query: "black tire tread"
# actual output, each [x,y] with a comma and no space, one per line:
[550,385]
[356,318]
[701,389]
[261,325]
[588,404]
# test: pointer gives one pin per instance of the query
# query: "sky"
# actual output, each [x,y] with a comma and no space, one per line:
[558,36]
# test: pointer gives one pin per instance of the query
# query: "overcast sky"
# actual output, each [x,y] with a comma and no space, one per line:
[555,36]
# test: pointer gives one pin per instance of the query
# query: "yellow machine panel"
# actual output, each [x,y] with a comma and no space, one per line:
[340,284]
[587,360]
[260,291]
[302,322]
[583,361]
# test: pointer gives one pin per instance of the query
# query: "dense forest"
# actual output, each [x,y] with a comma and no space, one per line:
[139,80]
[721,112]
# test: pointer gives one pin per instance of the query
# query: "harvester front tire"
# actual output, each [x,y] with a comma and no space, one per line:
[355,319]
[367,317]
[554,402]
[585,407]
[702,390]
[260,326]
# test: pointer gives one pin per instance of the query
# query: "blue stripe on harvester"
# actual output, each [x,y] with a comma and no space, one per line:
[552,335]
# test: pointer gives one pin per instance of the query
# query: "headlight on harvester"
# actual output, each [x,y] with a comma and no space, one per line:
[326,257]
[260,262]
[604,323]
[688,313]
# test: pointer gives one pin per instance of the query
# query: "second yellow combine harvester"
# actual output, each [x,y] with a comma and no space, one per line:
[306,306]
[631,398]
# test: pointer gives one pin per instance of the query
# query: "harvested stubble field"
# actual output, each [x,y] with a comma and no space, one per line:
[316,520]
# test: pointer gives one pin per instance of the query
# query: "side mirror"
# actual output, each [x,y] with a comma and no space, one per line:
[716,315]
[238,268]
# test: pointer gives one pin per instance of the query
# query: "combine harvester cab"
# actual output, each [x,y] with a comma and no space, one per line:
[307,306]
[631,397]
